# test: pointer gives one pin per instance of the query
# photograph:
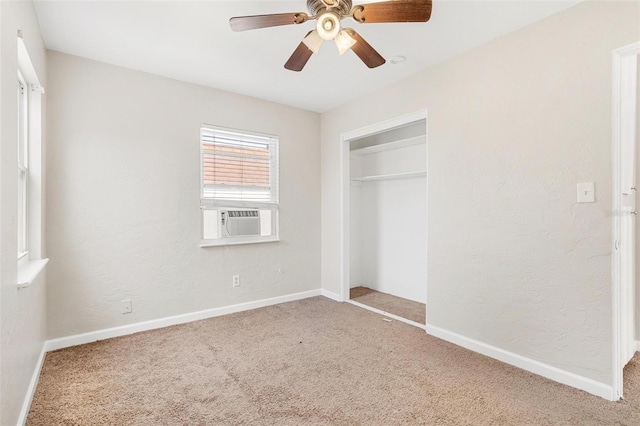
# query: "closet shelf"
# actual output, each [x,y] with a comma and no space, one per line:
[390,176]
[416,140]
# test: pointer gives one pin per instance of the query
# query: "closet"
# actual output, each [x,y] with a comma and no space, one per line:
[388,220]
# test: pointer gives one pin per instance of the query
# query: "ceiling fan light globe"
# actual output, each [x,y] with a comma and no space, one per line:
[344,42]
[328,26]
[313,41]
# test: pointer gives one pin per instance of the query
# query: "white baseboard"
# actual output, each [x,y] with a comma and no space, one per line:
[80,339]
[565,377]
[330,295]
[637,345]
[31,390]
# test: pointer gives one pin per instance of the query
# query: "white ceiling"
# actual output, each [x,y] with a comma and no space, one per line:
[191,41]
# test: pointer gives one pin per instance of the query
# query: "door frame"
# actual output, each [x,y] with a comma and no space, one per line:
[623,265]
[345,189]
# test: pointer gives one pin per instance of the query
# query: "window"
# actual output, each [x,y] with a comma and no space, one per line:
[29,214]
[23,172]
[239,186]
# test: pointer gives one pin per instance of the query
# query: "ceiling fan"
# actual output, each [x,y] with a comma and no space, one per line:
[329,13]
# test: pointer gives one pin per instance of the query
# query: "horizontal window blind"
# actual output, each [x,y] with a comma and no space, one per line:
[238,166]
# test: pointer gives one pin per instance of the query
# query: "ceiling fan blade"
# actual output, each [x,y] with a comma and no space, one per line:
[368,54]
[299,58]
[393,11]
[244,23]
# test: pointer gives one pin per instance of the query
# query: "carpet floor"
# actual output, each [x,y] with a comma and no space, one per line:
[311,362]
[405,308]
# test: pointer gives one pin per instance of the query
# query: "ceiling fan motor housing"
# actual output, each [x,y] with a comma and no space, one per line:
[339,7]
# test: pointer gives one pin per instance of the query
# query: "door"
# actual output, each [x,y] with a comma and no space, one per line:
[624,214]
[628,212]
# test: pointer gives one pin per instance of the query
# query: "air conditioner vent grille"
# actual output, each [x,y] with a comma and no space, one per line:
[243,213]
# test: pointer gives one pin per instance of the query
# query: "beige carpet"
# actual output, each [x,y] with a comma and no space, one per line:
[405,308]
[313,361]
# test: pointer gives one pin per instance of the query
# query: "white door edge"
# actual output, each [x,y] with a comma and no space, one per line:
[624,63]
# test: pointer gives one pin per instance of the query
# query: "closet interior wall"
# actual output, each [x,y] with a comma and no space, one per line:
[388,211]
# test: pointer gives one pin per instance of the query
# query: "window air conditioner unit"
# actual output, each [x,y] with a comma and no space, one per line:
[239,222]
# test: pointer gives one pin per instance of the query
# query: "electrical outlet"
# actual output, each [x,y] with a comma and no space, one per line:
[127,308]
[236,280]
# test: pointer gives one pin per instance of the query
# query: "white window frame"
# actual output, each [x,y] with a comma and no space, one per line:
[23,167]
[31,261]
[220,204]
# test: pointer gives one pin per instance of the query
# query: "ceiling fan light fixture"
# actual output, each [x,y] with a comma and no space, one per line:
[328,26]
[313,41]
[344,42]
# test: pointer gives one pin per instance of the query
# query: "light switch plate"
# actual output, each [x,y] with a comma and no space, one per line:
[586,192]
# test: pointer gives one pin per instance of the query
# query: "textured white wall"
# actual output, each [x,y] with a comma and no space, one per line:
[513,260]
[22,320]
[124,216]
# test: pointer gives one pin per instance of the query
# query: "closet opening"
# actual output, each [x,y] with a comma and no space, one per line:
[384,220]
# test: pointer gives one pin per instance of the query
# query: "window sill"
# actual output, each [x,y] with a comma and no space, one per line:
[222,242]
[29,271]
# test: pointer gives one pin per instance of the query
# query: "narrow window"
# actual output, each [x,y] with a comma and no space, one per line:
[29,212]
